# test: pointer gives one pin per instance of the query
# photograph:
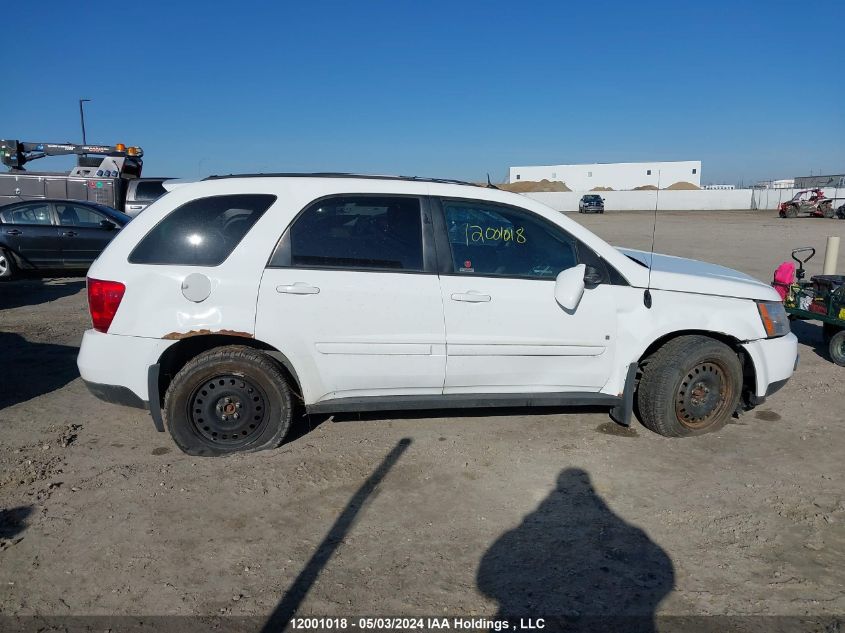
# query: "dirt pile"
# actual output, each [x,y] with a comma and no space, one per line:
[683,185]
[602,189]
[525,186]
[645,188]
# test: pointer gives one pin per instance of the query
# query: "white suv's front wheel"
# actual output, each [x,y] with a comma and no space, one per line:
[228,400]
[690,386]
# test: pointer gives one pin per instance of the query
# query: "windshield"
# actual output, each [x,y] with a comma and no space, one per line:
[592,198]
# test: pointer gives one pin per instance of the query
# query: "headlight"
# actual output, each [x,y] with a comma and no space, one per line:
[774,317]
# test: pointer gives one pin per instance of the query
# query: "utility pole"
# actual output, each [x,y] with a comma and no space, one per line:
[82,119]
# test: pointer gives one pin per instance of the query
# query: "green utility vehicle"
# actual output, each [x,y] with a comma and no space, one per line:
[820,299]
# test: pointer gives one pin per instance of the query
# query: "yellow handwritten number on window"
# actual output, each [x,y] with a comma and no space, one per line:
[475,233]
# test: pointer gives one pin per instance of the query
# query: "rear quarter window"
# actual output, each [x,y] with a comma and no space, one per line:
[202,232]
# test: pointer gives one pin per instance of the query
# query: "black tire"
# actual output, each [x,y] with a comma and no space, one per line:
[837,348]
[690,386]
[791,211]
[7,265]
[827,211]
[228,400]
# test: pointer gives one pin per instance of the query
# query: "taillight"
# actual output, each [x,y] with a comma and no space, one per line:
[103,301]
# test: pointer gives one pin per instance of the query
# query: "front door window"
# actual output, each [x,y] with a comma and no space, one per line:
[492,240]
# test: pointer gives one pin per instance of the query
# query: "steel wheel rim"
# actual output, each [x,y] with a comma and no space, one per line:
[702,395]
[4,264]
[837,347]
[228,410]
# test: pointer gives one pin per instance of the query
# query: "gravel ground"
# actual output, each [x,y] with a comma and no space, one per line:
[554,512]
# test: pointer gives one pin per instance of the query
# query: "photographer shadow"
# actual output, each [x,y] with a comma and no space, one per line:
[34,369]
[576,563]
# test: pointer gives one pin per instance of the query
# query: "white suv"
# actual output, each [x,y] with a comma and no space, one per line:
[230,301]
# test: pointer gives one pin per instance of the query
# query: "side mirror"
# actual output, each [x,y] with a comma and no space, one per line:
[592,276]
[569,287]
[602,199]
[108,225]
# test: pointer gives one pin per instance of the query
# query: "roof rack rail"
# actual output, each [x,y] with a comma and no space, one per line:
[343,175]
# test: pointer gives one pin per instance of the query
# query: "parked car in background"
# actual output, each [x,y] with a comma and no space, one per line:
[236,299]
[55,234]
[591,203]
[142,192]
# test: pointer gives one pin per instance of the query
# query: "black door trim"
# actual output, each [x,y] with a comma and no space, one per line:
[463,401]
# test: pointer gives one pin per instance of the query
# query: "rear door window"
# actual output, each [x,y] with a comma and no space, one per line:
[202,232]
[356,233]
[30,213]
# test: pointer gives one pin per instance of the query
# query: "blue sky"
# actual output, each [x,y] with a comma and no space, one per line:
[450,89]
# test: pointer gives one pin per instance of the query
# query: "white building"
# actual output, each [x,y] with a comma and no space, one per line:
[617,176]
[783,183]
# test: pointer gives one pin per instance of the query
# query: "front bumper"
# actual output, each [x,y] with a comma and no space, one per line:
[775,360]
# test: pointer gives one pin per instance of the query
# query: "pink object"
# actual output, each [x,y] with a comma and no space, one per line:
[784,278]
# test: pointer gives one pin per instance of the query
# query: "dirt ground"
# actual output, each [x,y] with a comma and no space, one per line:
[549,512]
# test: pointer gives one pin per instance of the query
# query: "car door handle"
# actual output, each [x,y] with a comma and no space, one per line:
[69,233]
[136,206]
[13,232]
[299,288]
[471,297]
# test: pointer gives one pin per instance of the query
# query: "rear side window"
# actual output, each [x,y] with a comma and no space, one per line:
[32,213]
[149,190]
[357,232]
[203,232]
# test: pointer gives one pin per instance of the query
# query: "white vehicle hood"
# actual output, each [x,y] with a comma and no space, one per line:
[690,275]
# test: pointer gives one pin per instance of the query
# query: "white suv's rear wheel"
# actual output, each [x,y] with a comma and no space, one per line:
[228,400]
[690,386]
